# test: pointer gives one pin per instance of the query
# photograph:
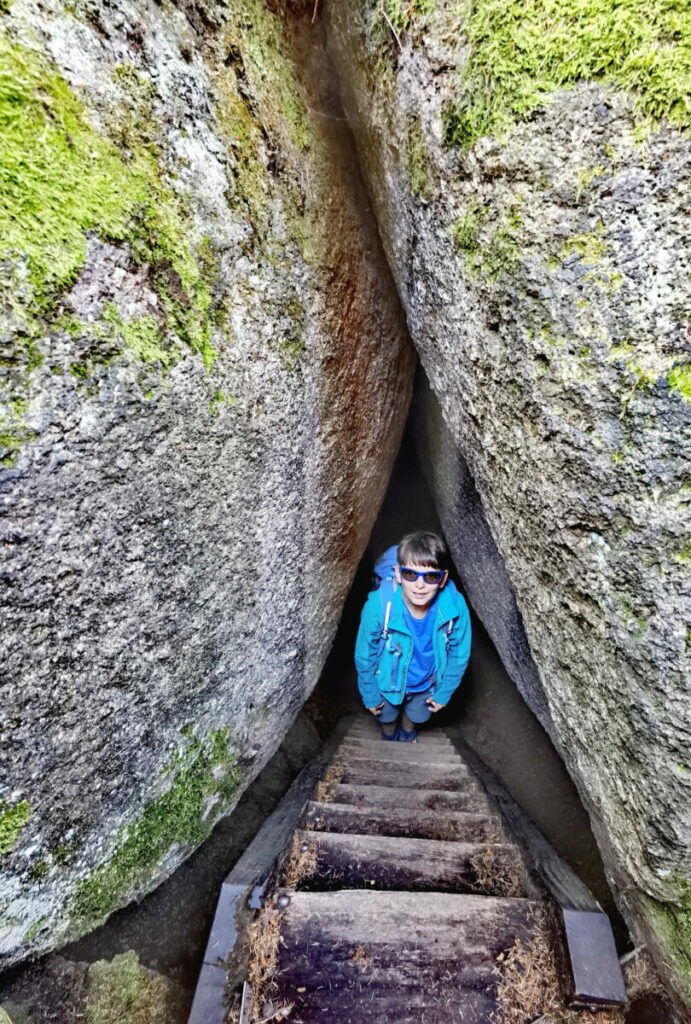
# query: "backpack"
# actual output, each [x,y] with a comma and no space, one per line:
[384,581]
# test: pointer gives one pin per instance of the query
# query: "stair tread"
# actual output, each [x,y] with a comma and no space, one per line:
[400,796]
[416,821]
[396,751]
[414,957]
[354,861]
[411,776]
[423,740]
[376,761]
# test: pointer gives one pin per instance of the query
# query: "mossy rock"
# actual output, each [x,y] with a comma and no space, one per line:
[521,53]
[121,989]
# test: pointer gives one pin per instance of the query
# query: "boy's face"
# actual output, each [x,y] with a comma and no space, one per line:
[419,595]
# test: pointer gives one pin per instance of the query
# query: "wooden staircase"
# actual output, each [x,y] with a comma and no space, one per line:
[400,891]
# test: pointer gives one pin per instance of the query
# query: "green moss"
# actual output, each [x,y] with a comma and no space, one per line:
[643,377]
[417,158]
[672,922]
[5,6]
[291,350]
[402,12]
[121,991]
[261,111]
[553,340]
[683,555]
[12,436]
[39,870]
[115,989]
[591,246]
[521,51]
[59,179]
[143,336]
[220,399]
[680,380]
[256,36]
[12,821]
[177,817]
[502,254]
[131,122]
[64,853]
[466,230]
[34,929]
[622,350]
[497,253]
[587,175]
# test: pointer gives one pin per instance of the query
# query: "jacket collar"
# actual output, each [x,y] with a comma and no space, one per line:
[444,608]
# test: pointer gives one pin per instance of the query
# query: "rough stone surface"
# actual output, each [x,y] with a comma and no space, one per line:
[197,431]
[545,276]
[63,991]
[473,547]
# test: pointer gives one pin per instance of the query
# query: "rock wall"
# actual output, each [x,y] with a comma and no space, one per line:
[529,166]
[199,418]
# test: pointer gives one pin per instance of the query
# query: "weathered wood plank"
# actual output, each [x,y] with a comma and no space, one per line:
[566,887]
[377,761]
[408,775]
[394,796]
[596,973]
[207,1006]
[252,869]
[568,890]
[348,956]
[396,751]
[429,740]
[382,862]
[401,821]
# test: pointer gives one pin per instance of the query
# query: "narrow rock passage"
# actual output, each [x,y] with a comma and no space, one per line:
[402,889]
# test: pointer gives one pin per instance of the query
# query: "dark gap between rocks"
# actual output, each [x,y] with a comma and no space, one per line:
[168,928]
[487,708]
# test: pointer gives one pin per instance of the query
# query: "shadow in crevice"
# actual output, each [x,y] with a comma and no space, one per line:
[488,709]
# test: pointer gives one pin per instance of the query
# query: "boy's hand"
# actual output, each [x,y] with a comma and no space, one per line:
[376,711]
[433,706]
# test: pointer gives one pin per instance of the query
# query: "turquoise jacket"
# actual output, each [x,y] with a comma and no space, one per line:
[382,665]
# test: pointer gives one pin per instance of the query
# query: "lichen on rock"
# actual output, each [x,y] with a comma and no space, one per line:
[546,285]
[194,394]
[202,777]
[12,821]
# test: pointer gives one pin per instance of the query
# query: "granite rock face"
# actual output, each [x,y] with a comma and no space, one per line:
[197,428]
[542,255]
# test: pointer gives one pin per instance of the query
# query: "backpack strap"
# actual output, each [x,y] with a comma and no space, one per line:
[386,592]
[385,630]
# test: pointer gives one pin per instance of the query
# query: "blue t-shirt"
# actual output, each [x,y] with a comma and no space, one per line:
[421,668]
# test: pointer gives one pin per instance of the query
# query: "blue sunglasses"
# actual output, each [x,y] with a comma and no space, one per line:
[428,575]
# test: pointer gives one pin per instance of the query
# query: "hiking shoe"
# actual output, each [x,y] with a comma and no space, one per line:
[407,737]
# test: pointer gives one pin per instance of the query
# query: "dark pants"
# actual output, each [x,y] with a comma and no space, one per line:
[413,704]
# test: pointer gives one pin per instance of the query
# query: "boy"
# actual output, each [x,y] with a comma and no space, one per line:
[412,646]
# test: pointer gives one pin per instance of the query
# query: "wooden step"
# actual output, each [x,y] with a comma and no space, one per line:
[401,821]
[424,739]
[398,796]
[418,958]
[396,751]
[376,763]
[408,775]
[338,860]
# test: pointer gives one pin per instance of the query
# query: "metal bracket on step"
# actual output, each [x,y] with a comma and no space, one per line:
[246,1004]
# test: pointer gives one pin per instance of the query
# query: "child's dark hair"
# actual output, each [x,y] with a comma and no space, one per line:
[423,548]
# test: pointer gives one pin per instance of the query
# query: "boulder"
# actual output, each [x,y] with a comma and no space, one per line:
[205,375]
[529,170]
